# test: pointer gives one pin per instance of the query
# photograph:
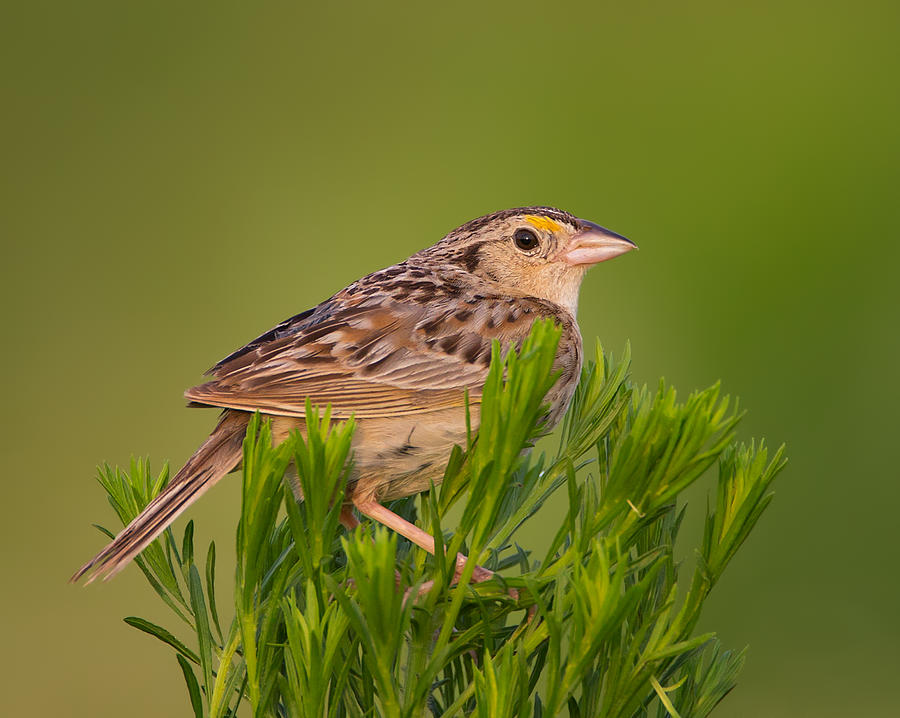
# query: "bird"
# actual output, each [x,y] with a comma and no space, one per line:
[405,351]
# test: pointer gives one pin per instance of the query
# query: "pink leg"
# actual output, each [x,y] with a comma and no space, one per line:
[420,538]
[348,520]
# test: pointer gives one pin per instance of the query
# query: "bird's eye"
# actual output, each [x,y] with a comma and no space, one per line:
[525,239]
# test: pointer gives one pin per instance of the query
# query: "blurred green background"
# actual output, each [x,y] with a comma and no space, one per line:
[177,178]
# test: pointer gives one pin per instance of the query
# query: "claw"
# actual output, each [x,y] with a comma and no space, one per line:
[479,574]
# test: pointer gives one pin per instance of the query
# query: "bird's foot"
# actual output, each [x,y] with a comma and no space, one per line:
[479,574]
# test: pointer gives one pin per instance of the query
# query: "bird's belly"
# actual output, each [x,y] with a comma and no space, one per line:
[399,456]
[395,456]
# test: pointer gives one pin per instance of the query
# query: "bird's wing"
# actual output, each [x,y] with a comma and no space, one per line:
[374,358]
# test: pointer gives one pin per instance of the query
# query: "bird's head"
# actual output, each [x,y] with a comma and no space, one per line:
[537,251]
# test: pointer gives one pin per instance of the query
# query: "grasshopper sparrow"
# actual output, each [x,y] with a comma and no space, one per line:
[396,349]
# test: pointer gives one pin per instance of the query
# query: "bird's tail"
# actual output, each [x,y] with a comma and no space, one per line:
[217,456]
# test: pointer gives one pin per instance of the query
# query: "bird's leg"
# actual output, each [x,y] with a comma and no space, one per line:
[348,520]
[420,538]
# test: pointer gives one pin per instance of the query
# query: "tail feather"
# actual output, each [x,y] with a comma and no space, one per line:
[216,457]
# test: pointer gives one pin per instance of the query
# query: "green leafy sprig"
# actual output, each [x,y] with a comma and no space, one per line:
[325,622]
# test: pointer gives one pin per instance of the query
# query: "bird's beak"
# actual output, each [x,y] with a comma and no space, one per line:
[593,244]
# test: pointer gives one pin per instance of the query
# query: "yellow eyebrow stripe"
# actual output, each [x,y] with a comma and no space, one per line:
[540,222]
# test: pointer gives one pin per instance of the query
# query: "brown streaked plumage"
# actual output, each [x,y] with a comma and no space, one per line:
[398,350]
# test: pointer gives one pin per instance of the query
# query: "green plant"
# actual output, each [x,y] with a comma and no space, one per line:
[321,624]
